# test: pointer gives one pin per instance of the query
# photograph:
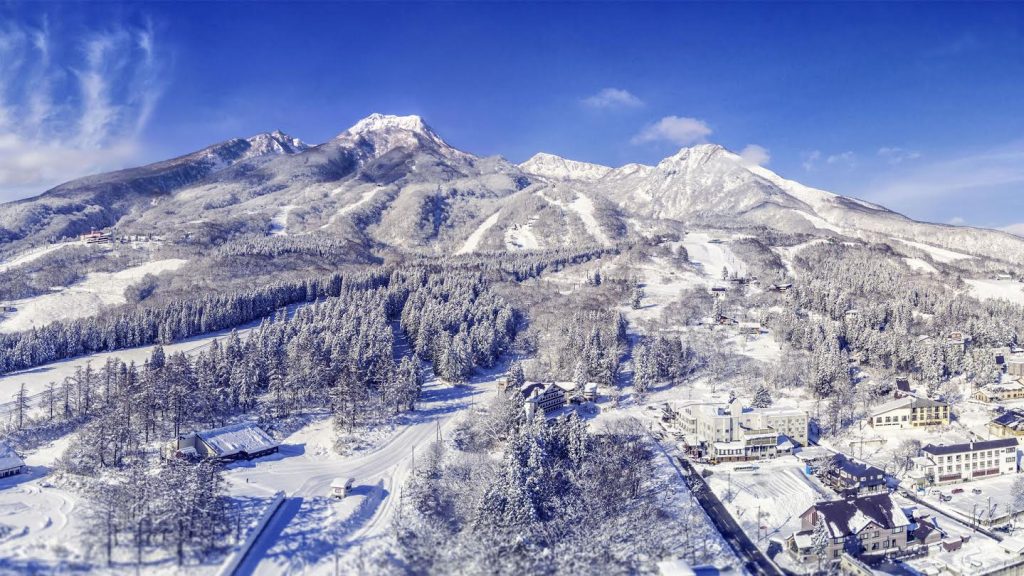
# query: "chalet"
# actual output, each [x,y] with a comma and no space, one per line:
[964,462]
[910,412]
[999,392]
[590,391]
[957,340]
[867,526]
[546,396]
[1009,424]
[849,477]
[10,463]
[97,237]
[780,287]
[719,289]
[243,441]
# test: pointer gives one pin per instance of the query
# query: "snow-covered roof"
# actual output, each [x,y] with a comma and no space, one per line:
[970,446]
[242,437]
[1013,545]
[9,458]
[850,516]
[906,402]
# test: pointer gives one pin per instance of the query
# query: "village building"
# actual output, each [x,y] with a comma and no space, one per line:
[547,396]
[999,392]
[1009,424]
[780,287]
[909,412]
[964,462]
[590,391]
[902,387]
[868,526]
[727,432]
[243,441]
[97,237]
[10,463]
[750,328]
[1015,367]
[849,477]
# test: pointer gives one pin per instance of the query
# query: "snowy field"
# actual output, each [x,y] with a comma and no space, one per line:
[279,223]
[778,489]
[83,299]
[990,289]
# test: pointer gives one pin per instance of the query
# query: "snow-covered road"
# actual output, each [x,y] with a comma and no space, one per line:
[312,527]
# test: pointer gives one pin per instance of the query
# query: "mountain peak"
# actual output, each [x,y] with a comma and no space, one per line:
[376,122]
[558,168]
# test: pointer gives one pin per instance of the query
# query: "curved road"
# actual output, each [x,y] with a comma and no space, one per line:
[311,528]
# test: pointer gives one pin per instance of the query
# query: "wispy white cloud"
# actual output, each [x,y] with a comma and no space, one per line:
[845,159]
[988,171]
[894,155]
[809,160]
[755,154]
[677,130]
[611,98]
[72,106]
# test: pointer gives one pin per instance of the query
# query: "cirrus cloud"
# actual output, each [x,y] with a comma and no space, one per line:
[678,130]
[72,105]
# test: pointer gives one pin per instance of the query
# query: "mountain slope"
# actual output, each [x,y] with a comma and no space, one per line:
[392,181]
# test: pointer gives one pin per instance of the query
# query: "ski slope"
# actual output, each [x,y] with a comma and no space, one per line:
[83,299]
[712,257]
[33,254]
[474,239]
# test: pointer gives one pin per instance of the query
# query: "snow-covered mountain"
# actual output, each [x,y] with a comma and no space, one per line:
[393,181]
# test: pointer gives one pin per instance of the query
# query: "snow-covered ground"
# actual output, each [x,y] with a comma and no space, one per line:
[474,239]
[521,237]
[778,489]
[33,254]
[939,254]
[40,517]
[920,265]
[788,253]
[583,207]
[713,256]
[988,288]
[36,379]
[279,223]
[83,299]
[314,527]
[977,556]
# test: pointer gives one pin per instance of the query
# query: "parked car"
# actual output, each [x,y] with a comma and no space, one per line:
[945,498]
[976,491]
[958,490]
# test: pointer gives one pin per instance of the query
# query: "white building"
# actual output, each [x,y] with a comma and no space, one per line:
[963,462]
[732,432]
[10,463]
[242,441]
[909,412]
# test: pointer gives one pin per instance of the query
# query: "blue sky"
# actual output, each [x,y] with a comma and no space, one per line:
[915,106]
